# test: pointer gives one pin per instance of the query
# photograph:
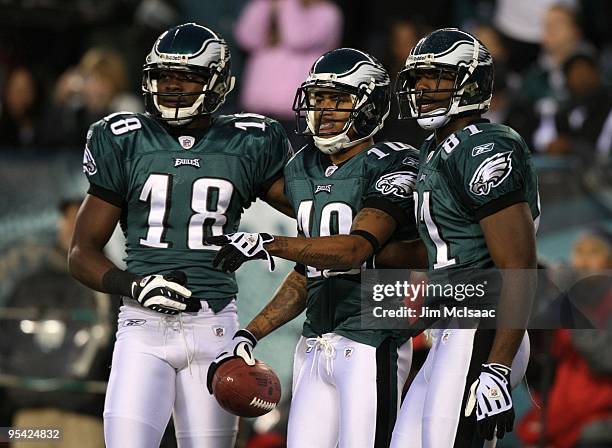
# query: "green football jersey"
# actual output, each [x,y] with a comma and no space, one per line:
[326,198]
[177,187]
[475,172]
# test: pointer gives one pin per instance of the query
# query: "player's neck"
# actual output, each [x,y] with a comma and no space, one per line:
[200,124]
[343,156]
[452,126]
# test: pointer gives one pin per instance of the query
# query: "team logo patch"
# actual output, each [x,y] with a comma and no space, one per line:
[325,188]
[134,322]
[330,170]
[481,149]
[348,352]
[490,173]
[186,141]
[188,162]
[399,183]
[89,164]
[410,161]
[219,331]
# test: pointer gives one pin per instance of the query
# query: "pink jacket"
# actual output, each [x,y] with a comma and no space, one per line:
[273,74]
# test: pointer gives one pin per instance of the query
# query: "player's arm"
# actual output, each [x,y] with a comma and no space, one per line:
[286,304]
[275,196]
[398,254]
[510,237]
[371,228]
[95,224]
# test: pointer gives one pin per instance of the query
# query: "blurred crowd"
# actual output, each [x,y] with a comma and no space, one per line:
[67,63]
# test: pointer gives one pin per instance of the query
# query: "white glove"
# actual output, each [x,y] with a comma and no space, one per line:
[241,247]
[242,345]
[165,293]
[491,395]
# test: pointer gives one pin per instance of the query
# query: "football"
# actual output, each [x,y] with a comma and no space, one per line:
[247,391]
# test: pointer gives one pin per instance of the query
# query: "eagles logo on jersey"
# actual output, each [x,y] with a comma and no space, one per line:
[400,183]
[491,173]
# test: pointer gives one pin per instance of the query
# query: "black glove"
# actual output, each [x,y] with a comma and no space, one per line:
[241,346]
[165,293]
[491,395]
[239,248]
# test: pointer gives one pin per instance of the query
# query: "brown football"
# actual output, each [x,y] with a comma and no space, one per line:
[244,390]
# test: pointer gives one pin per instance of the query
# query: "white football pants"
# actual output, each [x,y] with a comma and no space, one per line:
[432,413]
[159,367]
[345,394]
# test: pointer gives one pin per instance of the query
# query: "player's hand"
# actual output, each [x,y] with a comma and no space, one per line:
[237,248]
[165,293]
[491,395]
[241,346]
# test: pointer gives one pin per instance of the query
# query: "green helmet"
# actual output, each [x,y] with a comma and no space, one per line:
[188,48]
[347,71]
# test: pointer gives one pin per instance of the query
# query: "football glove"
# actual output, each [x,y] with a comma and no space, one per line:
[241,346]
[241,247]
[491,395]
[165,293]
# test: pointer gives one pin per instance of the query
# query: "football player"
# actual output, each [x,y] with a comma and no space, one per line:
[350,197]
[172,177]
[477,208]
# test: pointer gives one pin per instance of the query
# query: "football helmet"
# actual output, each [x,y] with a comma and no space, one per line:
[192,49]
[344,71]
[451,54]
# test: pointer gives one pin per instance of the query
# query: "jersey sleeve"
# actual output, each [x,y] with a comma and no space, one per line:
[273,158]
[391,182]
[489,176]
[102,164]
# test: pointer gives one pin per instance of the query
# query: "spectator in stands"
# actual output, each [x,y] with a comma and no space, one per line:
[63,335]
[20,108]
[544,84]
[96,87]
[501,102]
[580,121]
[578,413]
[284,38]
[402,37]
[521,26]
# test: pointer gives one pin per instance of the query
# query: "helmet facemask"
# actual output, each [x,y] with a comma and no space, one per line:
[215,86]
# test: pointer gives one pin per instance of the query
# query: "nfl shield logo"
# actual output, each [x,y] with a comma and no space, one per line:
[186,141]
[330,170]
[348,352]
[219,331]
